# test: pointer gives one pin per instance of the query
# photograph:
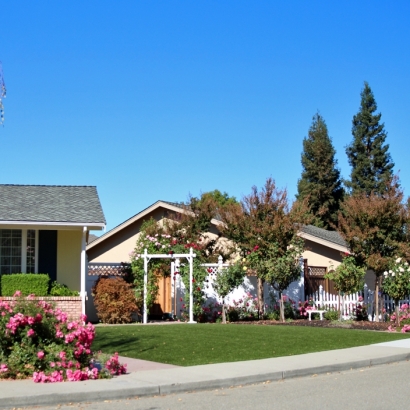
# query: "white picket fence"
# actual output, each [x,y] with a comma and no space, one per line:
[347,303]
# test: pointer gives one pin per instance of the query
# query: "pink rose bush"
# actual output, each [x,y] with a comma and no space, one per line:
[37,340]
[404,319]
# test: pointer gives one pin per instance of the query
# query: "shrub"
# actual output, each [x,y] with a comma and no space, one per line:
[246,308]
[26,283]
[331,315]
[114,300]
[62,290]
[37,340]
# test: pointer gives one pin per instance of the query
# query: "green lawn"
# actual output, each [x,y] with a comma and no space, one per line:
[188,345]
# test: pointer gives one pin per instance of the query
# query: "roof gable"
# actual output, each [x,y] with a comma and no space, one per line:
[331,239]
[50,203]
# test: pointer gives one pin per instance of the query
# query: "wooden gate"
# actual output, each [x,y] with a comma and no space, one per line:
[314,277]
[163,301]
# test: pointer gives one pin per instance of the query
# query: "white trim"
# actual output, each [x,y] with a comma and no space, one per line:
[138,216]
[23,263]
[36,251]
[83,270]
[91,226]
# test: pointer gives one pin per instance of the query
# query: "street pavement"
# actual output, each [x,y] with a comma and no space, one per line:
[153,379]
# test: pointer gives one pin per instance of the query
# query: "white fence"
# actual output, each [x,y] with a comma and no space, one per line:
[348,303]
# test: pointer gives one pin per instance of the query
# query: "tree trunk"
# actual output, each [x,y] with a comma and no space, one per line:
[381,299]
[397,309]
[261,303]
[376,300]
[281,307]
[223,311]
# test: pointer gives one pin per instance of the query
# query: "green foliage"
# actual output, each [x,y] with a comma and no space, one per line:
[331,315]
[36,337]
[228,279]
[265,228]
[277,265]
[320,183]
[114,300]
[221,199]
[26,283]
[156,240]
[62,290]
[372,167]
[199,275]
[396,281]
[347,277]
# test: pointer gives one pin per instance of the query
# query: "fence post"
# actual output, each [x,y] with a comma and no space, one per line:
[302,280]
[321,296]
[220,262]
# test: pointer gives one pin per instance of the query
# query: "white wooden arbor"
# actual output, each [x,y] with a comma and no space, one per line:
[190,257]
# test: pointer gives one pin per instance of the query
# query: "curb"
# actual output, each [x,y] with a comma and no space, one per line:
[116,389]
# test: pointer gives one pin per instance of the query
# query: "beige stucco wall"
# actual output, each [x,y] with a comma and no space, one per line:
[320,255]
[117,247]
[69,258]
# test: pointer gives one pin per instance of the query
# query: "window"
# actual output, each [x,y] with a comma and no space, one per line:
[15,258]
[10,251]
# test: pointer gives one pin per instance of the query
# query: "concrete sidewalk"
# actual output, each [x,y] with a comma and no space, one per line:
[159,379]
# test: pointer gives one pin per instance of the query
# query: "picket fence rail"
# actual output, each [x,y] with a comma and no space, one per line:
[348,303]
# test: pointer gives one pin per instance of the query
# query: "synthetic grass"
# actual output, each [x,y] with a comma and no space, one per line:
[188,345]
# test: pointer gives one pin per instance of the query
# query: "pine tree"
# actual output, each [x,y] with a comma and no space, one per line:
[372,166]
[320,182]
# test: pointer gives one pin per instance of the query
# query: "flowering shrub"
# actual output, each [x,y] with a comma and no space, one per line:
[211,312]
[245,308]
[396,284]
[305,306]
[156,240]
[360,311]
[403,318]
[37,340]
[273,310]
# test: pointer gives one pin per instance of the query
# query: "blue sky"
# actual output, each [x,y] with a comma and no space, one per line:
[153,100]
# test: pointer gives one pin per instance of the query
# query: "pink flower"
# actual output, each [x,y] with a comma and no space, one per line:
[17,293]
[40,354]
[31,333]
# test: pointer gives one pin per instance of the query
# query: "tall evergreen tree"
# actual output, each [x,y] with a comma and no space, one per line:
[320,182]
[372,166]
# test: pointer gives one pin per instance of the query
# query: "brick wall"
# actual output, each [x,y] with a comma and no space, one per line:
[71,305]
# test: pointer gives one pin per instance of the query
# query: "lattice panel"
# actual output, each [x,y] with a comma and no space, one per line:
[317,271]
[105,270]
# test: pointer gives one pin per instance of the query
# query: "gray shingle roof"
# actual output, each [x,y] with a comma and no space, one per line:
[50,203]
[331,236]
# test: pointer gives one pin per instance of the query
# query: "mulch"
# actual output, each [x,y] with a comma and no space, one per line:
[363,325]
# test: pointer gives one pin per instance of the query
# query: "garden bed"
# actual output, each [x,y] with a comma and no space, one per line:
[363,325]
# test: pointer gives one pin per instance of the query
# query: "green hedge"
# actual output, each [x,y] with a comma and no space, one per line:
[26,283]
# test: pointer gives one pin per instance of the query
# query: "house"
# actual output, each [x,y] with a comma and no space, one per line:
[323,250]
[44,229]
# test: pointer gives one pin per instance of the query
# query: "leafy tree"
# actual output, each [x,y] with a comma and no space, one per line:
[320,182]
[221,199]
[372,166]
[375,229]
[347,277]
[265,228]
[195,224]
[396,284]
[228,280]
